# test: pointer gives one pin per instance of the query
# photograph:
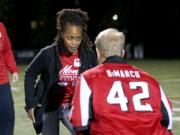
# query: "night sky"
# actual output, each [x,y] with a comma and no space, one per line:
[154,24]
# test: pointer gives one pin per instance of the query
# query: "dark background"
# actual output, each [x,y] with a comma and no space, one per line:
[155,24]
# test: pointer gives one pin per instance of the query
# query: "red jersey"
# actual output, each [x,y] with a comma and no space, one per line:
[68,77]
[7,62]
[119,99]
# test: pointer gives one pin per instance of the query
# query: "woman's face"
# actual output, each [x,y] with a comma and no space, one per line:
[72,37]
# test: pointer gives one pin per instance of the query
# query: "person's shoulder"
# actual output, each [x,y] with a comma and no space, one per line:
[1,24]
[47,48]
[146,75]
[46,51]
[93,72]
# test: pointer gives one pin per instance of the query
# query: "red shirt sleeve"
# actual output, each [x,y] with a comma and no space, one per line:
[7,53]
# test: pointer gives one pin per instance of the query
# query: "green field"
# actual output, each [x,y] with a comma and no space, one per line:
[167,72]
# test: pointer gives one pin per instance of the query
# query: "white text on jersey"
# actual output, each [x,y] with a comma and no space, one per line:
[123,73]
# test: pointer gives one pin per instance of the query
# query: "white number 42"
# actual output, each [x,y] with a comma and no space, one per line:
[116,96]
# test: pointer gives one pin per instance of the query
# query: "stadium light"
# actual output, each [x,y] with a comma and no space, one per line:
[115,17]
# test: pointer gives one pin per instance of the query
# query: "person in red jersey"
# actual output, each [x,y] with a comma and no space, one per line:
[59,66]
[7,64]
[116,98]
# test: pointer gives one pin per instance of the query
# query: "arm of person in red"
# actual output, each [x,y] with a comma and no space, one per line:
[8,55]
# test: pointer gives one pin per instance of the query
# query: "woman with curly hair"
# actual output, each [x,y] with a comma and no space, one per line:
[59,66]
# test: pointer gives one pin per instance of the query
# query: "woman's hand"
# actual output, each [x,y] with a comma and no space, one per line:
[31,114]
[15,77]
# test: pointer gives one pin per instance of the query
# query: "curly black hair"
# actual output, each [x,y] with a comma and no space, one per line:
[74,17]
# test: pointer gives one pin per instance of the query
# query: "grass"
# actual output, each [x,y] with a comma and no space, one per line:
[167,72]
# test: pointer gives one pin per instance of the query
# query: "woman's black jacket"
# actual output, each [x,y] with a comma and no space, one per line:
[45,67]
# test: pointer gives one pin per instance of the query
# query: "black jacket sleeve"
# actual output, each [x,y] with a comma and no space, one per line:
[34,69]
[165,118]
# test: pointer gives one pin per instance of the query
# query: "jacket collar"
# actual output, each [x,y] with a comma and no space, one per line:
[115,59]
